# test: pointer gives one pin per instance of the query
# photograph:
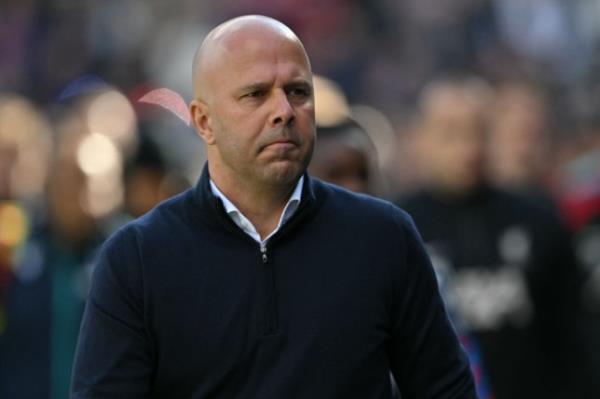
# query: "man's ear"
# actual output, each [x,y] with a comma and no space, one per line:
[201,120]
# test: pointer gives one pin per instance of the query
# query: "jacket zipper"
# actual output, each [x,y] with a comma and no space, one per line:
[263,251]
[269,292]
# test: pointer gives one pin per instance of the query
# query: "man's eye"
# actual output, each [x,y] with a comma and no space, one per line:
[299,92]
[255,94]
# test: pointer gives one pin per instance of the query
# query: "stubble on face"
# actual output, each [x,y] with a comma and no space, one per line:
[268,162]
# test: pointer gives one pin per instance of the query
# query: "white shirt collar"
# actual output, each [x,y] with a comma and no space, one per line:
[242,221]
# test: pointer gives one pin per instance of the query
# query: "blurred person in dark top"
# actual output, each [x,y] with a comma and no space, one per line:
[587,245]
[579,190]
[504,263]
[46,295]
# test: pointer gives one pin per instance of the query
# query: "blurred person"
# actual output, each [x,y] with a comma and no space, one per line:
[587,244]
[24,150]
[148,179]
[45,296]
[578,186]
[518,146]
[25,145]
[505,264]
[578,176]
[262,281]
[344,155]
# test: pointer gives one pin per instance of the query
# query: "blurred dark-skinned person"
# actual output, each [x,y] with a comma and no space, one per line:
[505,264]
[343,156]
[148,178]
[261,281]
[46,296]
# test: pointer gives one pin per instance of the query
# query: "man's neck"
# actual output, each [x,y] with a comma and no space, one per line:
[262,204]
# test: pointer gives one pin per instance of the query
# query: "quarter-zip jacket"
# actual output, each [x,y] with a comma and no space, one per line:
[184,304]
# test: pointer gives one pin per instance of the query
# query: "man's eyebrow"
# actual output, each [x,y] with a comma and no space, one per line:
[254,87]
[300,82]
[259,86]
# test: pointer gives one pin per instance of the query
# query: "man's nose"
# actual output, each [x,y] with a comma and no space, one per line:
[283,112]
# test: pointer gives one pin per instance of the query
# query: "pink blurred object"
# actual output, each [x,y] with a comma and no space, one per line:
[169,100]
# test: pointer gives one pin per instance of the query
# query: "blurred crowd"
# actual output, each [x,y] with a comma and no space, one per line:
[480,118]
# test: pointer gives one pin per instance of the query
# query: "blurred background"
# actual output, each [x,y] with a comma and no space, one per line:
[480,117]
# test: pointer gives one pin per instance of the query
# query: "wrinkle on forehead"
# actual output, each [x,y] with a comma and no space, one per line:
[231,36]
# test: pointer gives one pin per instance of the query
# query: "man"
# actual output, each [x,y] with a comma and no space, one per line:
[262,282]
[505,264]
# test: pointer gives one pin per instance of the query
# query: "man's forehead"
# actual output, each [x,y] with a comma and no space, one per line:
[244,43]
[260,43]
[251,57]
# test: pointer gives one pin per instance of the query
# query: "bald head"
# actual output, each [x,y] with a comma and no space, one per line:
[231,36]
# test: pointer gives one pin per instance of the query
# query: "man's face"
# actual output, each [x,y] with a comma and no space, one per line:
[262,110]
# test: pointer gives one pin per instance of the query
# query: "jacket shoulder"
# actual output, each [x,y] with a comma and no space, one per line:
[363,207]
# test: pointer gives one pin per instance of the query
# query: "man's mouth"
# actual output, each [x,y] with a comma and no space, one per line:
[282,145]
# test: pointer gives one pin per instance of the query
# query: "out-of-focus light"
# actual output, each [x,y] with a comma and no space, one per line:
[97,155]
[13,224]
[101,161]
[331,105]
[103,195]
[111,114]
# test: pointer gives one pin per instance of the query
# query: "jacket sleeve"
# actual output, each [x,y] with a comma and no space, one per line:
[427,359]
[114,353]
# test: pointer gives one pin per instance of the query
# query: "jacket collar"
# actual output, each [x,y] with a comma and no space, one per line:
[210,208]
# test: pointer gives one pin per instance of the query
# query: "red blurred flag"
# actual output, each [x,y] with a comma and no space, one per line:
[169,100]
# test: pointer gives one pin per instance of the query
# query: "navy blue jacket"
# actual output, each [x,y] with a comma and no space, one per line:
[184,305]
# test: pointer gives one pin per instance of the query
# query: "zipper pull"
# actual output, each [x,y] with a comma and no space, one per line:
[263,251]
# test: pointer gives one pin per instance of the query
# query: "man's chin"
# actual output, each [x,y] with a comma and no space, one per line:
[282,172]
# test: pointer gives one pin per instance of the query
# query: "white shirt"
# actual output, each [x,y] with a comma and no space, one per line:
[242,221]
